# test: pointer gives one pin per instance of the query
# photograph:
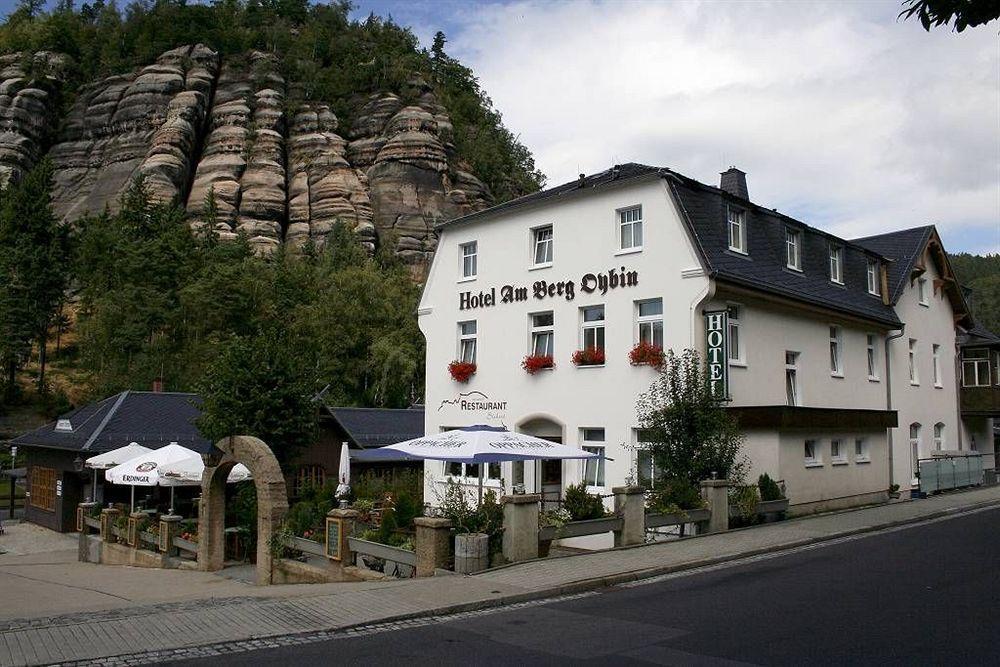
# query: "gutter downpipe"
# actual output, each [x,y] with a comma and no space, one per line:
[888,397]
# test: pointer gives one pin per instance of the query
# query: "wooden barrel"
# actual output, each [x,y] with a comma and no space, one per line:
[472,552]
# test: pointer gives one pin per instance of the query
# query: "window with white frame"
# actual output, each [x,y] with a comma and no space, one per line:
[922,291]
[915,447]
[593,442]
[838,455]
[872,357]
[939,436]
[647,472]
[793,249]
[811,453]
[542,237]
[737,230]
[936,356]
[861,453]
[976,367]
[542,334]
[630,228]
[467,341]
[836,352]
[470,259]
[837,263]
[649,321]
[791,378]
[470,471]
[914,373]
[874,283]
[736,351]
[592,334]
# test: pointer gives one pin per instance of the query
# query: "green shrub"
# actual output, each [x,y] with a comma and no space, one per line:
[769,489]
[582,505]
[674,495]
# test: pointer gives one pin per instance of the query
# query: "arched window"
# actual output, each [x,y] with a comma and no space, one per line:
[914,447]
[939,436]
[308,477]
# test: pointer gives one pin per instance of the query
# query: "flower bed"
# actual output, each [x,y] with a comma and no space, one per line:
[646,354]
[461,371]
[533,363]
[591,356]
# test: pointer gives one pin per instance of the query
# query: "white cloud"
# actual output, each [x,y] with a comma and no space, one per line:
[841,115]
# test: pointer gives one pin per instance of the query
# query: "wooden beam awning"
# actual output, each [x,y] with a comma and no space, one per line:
[790,416]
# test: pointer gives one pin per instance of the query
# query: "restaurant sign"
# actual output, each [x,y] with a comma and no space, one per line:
[717,352]
[542,289]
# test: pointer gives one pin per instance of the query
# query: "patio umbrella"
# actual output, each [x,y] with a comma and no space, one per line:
[145,469]
[475,444]
[344,474]
[111,459]
[188,472]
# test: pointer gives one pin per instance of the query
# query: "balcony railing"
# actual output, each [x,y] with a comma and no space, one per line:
[980,401]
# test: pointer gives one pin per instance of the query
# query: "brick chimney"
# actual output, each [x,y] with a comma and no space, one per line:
[734,182]
[158,385]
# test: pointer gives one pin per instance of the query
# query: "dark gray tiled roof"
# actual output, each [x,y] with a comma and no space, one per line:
[705,208]
[152,419]
[904,248]
[377,427]
[979,335]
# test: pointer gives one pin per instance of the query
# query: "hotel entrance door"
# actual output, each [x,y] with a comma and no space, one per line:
[551,480]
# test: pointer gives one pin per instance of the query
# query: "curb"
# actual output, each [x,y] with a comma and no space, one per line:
[587,584]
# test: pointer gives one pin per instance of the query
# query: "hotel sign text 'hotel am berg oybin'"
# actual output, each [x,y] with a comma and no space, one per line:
[541,289]
[717,353]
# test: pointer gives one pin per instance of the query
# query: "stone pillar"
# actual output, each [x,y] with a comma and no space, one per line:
[134,519]
[84,510]
[630,505]
[108,516]
[433,544]
[170,527]
[520,527]
[337,568]
[716,494]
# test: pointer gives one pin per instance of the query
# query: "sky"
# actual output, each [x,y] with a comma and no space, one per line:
[842,115]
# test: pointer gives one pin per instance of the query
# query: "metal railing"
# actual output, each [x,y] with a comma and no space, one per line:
[943,473]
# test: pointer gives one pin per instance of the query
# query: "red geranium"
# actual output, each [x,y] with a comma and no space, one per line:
[646,354]
[590,356]
[536,362]
[461,371]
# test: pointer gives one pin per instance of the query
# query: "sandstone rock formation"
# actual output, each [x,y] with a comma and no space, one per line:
[224,140]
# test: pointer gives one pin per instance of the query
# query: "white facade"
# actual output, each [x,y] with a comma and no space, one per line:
[562,256]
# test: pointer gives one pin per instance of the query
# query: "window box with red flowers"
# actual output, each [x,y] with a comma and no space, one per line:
[537,362]
[646,354]
[590,356]
[461,371]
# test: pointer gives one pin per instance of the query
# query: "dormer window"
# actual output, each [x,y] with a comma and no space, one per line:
[737,230]
[837,264]
[793,249]
[64,425]
[874,284]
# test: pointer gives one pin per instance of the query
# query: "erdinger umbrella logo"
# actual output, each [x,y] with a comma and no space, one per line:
[477,403]
[146,467]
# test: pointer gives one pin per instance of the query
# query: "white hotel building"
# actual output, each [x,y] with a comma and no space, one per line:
[835,347]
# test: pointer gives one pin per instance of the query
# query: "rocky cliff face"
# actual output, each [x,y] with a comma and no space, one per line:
[230,143]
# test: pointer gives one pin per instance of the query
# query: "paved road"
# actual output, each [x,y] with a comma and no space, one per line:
[928,594]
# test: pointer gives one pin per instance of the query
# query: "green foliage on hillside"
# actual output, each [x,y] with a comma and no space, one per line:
[325,56]
[981,274]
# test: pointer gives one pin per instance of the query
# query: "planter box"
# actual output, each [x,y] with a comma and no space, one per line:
[185,545]
[678,518]
[472,552]
[580,528]
[772,509]
[307,546]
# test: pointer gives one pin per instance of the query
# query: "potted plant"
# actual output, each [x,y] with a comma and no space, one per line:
[533,363]
[675,501]
[590,356]
[549,523]
[646,354]
[461,371]
[773,504]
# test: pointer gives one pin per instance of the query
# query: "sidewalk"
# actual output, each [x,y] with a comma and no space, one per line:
[154,631]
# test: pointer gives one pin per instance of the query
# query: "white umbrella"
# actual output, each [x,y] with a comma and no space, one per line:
[111,459]
[344,474]
[146,469]
[476,444]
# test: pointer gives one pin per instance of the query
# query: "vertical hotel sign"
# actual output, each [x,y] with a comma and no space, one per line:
[717,352]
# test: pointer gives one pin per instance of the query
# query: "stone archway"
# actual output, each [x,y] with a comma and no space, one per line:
[272,501]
